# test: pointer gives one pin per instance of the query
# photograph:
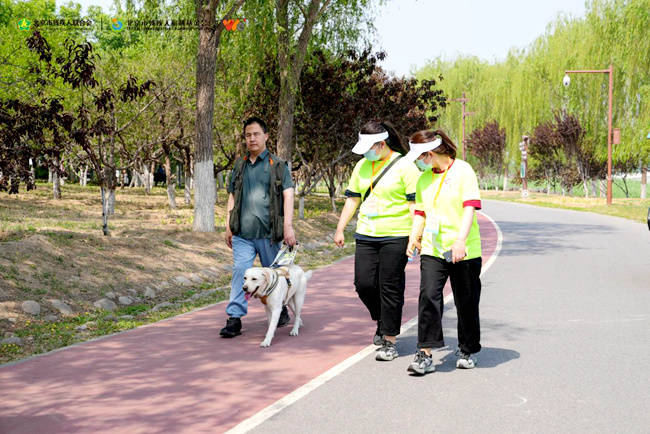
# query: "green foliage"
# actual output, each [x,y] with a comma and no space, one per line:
[525,89]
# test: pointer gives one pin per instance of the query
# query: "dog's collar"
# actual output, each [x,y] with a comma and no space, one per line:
[275,277]
[274,283]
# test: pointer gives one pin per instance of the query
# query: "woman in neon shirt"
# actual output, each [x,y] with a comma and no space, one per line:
[446,232]
[383,226]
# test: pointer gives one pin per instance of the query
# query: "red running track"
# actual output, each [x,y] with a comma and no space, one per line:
[179,376]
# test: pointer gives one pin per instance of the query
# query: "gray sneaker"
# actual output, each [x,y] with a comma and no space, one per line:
[387,352]
[422,364]
[378,338]
[465,361]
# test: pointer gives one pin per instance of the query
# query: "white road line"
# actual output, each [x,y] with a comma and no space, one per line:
[493,258]
[286,401]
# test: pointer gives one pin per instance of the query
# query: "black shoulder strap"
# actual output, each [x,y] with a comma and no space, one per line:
[374,184]
[239,164]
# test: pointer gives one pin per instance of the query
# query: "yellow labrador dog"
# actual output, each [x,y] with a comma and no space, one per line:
[276,287]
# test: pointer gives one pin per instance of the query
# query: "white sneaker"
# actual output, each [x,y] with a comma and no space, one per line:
[387,352]
[422,364]
[465,361]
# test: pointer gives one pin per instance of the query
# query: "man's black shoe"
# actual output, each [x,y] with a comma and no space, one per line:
[284,317]
[232,328]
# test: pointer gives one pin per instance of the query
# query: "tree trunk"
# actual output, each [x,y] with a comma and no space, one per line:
[188,191]
[644,180]
[585,187]
[49,175]
[56,179]
[603,188]
[301,207]
[290,61]
[187,165]
[32,175]
[111,200]
[171,187]
[83,176]
[146,179]
[505,179]
[220,181]
[594,187]
[134,179]
[104,212]
[206,58]
[152,168]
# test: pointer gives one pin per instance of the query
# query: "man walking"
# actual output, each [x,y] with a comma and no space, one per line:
[259,217]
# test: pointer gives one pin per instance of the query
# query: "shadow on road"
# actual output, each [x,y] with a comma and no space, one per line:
[537,238]
[445,358]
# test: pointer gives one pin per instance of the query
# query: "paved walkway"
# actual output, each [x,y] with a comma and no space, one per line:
[565,322]
[179,376]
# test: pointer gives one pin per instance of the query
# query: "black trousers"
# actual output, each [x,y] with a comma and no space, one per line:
[380,280]
[466,287]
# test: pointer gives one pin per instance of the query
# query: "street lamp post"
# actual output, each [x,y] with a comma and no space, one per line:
[609,71]
[464,101]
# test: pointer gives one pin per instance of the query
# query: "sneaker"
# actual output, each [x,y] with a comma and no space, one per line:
[378,338]
[465,361]
[232,328]
[284,317]
[387,352]
[422,364]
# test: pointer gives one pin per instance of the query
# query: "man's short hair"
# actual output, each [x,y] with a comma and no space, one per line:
[255,120]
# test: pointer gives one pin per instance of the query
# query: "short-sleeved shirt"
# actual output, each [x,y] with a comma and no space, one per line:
[255,219]
[460,189]
[391,195]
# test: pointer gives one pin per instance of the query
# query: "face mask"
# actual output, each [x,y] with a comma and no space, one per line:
[371,155]
[422,165]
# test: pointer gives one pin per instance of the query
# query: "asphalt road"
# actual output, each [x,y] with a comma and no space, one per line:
[565,314]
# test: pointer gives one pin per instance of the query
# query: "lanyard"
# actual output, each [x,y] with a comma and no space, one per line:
[374,172]
[441,182]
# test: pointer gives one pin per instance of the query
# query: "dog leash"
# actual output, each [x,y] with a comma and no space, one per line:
[285,256]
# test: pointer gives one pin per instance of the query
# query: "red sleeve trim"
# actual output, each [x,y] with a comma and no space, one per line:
[475,203]
[420,213]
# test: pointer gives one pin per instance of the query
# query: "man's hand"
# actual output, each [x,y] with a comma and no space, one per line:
[289,235]
[228,237]
[339,238]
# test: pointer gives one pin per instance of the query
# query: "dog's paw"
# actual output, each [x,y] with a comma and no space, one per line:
[265,343]
[293,332]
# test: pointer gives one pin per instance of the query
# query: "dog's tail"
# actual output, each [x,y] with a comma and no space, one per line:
[308,274]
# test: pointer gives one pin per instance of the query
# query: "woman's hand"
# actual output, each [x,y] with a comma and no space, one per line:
[339,238]
[458,251]
[412,245]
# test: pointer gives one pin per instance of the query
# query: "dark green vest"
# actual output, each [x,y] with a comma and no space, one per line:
[276,198]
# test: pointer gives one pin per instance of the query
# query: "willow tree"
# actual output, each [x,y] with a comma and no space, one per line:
[525,88]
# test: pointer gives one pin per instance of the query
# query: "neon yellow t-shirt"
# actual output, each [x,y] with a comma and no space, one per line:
[460,189]
[385,213]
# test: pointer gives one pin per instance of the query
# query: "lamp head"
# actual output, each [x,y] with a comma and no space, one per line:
[566,81]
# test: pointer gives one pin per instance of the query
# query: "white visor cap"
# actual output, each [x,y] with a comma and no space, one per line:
[417,149]
[366,141]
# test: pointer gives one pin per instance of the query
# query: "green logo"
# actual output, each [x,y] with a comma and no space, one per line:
[24,24]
